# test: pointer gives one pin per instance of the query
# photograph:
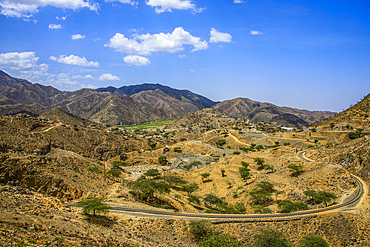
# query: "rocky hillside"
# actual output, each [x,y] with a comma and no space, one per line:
[132,104]
[256,111]
[357,116]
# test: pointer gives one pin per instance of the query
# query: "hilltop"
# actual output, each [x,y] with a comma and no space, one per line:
[137,104]
[282,116]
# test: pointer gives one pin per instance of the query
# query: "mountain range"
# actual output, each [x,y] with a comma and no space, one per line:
[138,104]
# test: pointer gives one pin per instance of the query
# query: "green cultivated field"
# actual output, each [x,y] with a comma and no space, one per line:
[148,125]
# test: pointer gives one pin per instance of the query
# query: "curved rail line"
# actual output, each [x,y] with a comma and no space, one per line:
[356,196]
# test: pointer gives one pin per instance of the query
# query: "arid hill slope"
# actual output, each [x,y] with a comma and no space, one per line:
[256,111]
[357,116]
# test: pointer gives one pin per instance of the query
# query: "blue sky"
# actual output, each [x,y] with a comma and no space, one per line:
[311,55]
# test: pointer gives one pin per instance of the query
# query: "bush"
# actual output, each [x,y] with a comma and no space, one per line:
[94,205]
[199,228]
[93,169]
[236,152]
[269,238]
[118,164]
[189,188]
[194,199]
[287,206]
[162,160]
[177,150]
[114,172]
[219,240]
[313,241]
[123,156]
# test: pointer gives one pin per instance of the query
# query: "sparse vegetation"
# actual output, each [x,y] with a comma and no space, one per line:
[93,205]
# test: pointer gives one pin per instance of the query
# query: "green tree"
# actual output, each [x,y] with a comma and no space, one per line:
[212,199]
[189,188]
[114,172]
[320,197]
[217,239]
[269,237]
[188,167]
[244,173]
[199,228]
[194,199]
[177,149]
[262,192]
[253,145]
[269,168]
[258,209]
[296,169]
[149,187]
[220,143]
[174,180]
[277,193]
[313,241]
[162,160]
[154,173]
[223,172]
[94,205]
[205,175]
[118,164]
[287,206]
[260,162]
[153,145]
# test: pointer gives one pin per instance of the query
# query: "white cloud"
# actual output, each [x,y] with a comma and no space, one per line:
[55,26]
[23,62]
[27,8]
[191,71]
[77,36]
[148,43]
[74,60]
[136,60]
[182,56]
[131,2]
[108,77]
[217,36]
[61,18]
[255,32]
[83,77]
[167,5]
[239,1]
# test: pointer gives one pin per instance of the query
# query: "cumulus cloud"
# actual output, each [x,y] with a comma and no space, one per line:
[55,26]
[167,5]
[255,32]
[182,56]
[23,62]
[74,60]
[108,77]
[145,44]
[217,36]
[239,1]
[131,2]
[77,36]
[136,60]
[27,8]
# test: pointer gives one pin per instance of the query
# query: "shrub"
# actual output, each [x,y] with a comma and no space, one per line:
[236,152]
[205,175]
[93,169]
[114,172]
[194,199]
[162,160]
[177,149]
[287,206]
[313,241]
[199,228]
[123,156]
[219,240]
[212,199]
[118,164]
[189,188]
[244,173]
[269,238]
[152,173]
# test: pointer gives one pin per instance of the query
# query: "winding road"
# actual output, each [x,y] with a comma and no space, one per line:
[351,201]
